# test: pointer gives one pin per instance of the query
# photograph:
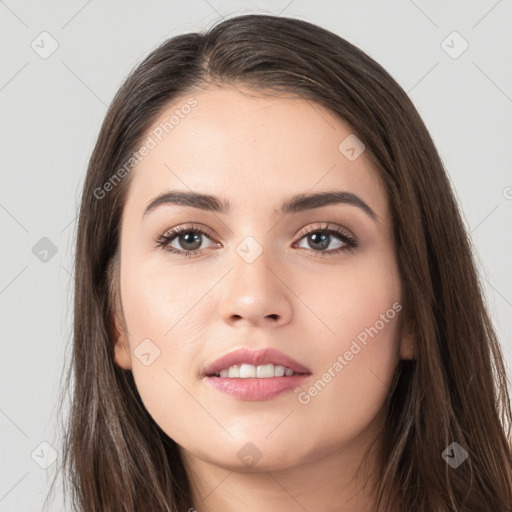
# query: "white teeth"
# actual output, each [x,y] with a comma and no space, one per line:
[247,371]
[234,371]
[265,371]
[279,370]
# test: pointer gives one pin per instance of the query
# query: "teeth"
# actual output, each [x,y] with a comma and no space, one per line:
[279,371]
[265,371]
[234,371]
[247,371]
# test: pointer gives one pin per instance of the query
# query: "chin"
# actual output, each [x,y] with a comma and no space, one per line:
[248,456]
[265,464]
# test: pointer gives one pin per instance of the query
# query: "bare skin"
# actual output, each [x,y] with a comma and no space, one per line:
[255,152]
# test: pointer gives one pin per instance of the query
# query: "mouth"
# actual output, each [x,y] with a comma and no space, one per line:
[255,375]
[248,371]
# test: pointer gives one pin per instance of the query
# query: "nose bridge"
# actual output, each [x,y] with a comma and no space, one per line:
[253,261]
[254,292]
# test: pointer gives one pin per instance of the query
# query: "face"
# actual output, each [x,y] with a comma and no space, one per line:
[318,282]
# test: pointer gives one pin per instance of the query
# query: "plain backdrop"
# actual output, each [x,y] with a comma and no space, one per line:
[61,64]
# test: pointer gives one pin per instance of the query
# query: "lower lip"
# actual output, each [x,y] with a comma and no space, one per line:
[256,389]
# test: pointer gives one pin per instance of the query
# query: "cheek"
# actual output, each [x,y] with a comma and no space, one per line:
[359,351]
[165,311]
[163,301]
[350,300]
[354,379]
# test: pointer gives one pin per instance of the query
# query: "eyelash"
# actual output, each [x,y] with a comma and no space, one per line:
[350,242]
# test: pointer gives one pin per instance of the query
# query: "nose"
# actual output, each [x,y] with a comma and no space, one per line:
[255,294]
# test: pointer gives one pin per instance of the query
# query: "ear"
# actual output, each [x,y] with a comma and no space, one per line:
[117,324]
[408,347]
[122,352]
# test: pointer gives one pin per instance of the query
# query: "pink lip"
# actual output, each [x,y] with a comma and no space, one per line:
[256,389]
[253,388]
[254,357]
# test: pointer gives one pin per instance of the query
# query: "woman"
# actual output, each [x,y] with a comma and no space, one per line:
[276,304]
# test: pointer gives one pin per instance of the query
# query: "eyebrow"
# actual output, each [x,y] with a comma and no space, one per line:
[294,204]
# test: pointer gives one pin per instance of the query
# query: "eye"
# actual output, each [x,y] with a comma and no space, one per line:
[320,238]
[188,237]
[189,240]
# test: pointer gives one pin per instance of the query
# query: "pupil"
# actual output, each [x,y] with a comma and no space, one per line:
[191,238]
[324,239]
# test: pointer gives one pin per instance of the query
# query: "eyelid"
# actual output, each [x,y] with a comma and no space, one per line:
[327,226]
[306,231]
[189,227]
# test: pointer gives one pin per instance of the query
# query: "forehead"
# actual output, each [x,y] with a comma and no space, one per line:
[250,149]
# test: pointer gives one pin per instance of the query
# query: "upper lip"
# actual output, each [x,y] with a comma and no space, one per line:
[254,357]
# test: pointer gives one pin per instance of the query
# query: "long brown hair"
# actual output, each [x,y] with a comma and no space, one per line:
[116,458]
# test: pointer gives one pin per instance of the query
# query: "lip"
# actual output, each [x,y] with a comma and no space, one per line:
[254,388]
[254,357]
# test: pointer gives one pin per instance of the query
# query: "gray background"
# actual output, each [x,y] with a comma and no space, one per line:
[52,108]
